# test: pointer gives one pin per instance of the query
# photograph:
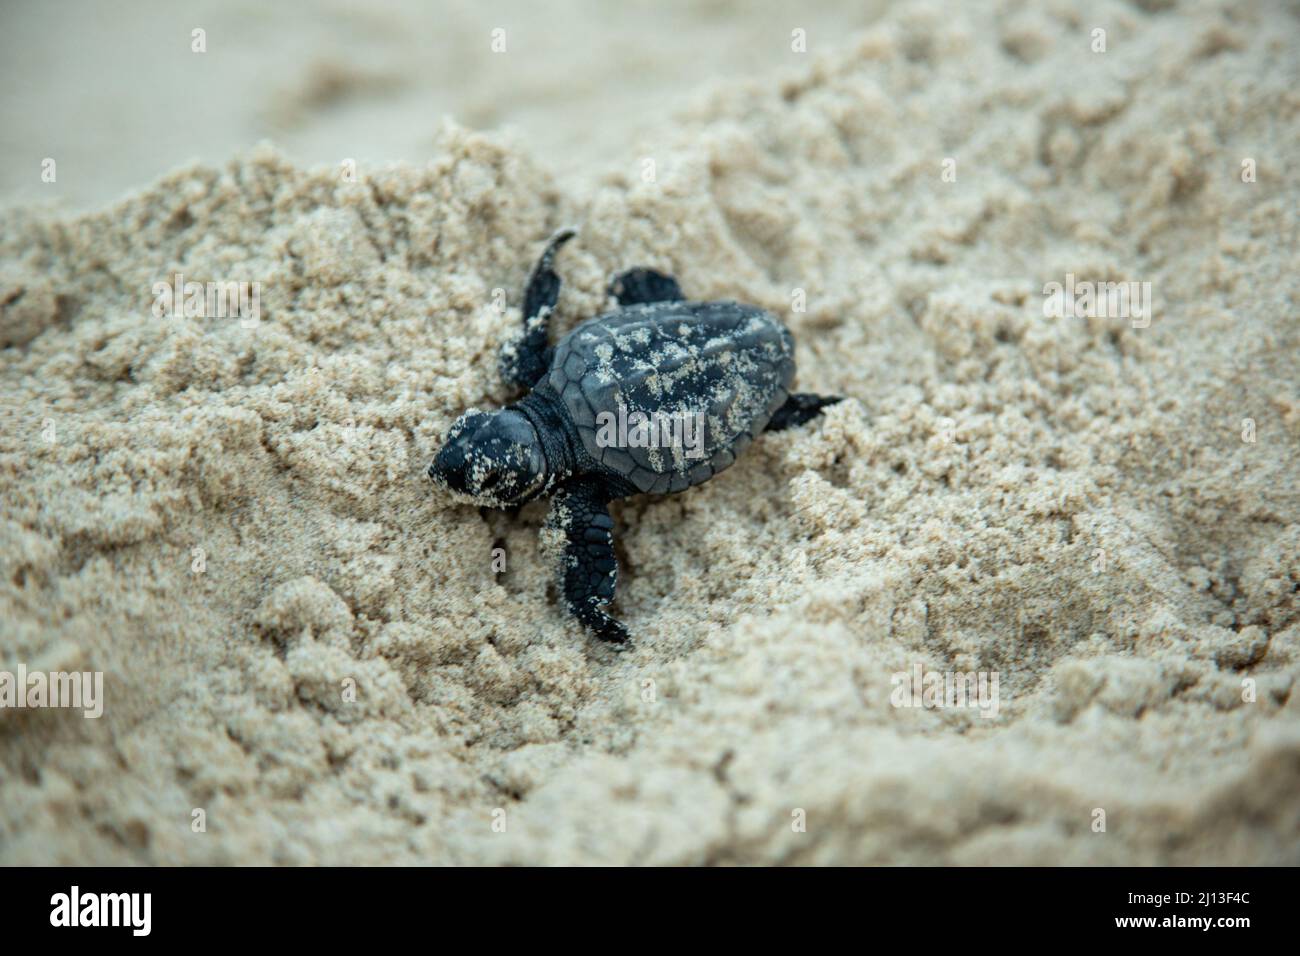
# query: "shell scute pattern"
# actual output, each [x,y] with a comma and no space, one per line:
[732,364]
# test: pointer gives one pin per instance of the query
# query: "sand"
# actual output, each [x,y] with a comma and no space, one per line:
[305,641]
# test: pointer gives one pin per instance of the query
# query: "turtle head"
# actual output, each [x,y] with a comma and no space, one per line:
[495,458]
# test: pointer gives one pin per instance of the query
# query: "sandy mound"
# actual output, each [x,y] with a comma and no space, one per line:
[233,524]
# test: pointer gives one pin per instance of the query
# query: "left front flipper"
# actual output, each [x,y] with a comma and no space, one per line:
[589,569]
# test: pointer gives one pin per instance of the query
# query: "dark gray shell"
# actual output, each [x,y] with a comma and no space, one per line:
[733,363]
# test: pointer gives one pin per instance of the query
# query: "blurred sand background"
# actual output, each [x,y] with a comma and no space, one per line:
[114,93]
[1066,501]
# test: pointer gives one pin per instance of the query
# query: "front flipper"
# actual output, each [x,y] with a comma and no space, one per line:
[639,286]
[589,569]
[799,408]
[525,360]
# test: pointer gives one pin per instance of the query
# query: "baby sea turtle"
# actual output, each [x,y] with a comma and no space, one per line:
[654,397]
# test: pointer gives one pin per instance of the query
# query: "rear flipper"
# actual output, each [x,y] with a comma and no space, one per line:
[589,569]
[642,286]
[799,408]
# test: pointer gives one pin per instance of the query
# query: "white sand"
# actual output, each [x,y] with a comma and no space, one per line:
[1066,501]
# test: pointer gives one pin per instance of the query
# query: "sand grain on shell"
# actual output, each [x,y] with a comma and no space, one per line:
[1067,502]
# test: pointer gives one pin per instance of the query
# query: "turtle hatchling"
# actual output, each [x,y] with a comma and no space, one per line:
[654,397]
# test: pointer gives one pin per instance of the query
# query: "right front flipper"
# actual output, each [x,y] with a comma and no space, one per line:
[525,360]
[589,569]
